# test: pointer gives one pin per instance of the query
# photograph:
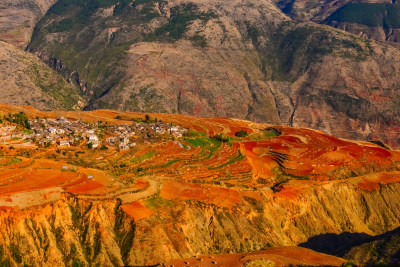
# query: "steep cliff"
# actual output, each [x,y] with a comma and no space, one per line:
[77,231]
[374,250]
[69,232]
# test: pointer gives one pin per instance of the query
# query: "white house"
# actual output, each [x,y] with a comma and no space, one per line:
[52,130]
[93,138]
[63,143]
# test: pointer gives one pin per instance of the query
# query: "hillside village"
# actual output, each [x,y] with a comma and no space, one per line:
[63,132]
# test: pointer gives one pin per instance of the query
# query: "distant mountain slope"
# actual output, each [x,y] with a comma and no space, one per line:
[25,80]
[373,19]
[200,72]
[378,21]
[305,10]
[242,59]
[19,17]
[382,249]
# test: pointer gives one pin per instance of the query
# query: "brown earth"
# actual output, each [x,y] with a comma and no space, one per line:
[19,17]
[25,80]
[279,256]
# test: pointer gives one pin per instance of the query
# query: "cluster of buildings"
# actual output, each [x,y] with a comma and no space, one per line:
[65,132]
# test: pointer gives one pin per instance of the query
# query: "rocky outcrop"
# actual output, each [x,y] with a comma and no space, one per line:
[65,233]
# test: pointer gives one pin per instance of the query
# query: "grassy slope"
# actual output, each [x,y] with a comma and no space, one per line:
[369,14]
[296,46]
[87,46]
[28,81]
[83,43]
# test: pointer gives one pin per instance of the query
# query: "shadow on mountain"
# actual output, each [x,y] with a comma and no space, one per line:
[333,243]
[340,244]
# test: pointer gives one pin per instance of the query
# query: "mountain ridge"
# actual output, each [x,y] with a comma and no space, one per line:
[203,58]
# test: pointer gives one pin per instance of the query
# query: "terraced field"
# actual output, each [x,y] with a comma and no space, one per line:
[226,186]
[210,162]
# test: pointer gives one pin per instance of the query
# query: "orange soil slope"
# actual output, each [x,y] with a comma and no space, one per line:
[280,256]
[43,174]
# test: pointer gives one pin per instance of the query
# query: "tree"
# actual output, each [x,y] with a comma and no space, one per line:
[221,138]
[19,118]
[241,133]
[103,147]
[147,118]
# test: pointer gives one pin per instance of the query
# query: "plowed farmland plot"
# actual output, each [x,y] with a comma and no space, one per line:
[306,154]
[19,175]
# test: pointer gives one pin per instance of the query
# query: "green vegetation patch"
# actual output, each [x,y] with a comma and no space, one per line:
[238,157]
[16,253]
[193,133]
[241,133]
[181,17]
[145,156]
[169,163]
[157,202]
[62,26]
[297,46]
[28,131]
[88,7]
[369,14]
[209,146]
[263,135]
[18,118]
[197,142]
[14,160]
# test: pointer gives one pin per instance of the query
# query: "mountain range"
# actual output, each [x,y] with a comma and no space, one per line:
[241,154]
[276,62]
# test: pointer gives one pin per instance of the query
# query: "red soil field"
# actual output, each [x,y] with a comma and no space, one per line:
[280,256]
[31,175]
[137,211]
[295,154]
[141,184]
[89,187]
[24,180]
[373,181]
[221,197]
